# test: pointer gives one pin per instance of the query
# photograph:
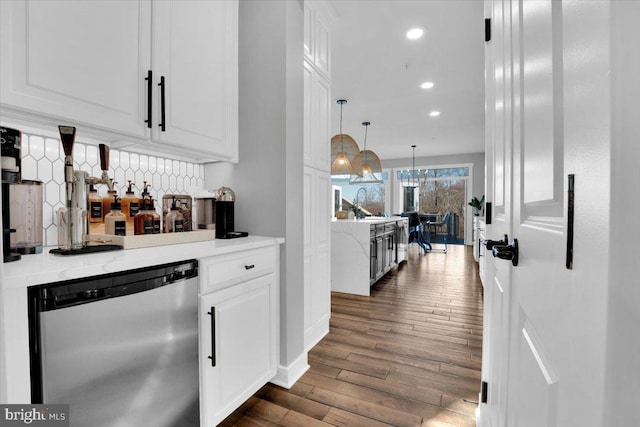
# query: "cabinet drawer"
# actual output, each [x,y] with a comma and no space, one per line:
[222,271]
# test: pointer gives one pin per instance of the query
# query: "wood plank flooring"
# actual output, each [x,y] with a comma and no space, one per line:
[409,355]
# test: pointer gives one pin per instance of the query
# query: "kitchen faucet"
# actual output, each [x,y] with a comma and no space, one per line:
[104,165]
[359,213]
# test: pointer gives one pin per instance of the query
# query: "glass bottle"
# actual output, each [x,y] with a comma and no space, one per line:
[115,223]
[107,200]
[156,217]
[95,206]
[130,203]
[174,221]
[143,220]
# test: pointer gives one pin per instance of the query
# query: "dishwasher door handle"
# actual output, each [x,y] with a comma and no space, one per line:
[212,313]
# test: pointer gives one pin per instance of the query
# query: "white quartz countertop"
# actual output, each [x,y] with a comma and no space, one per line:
[48,268]
[369,220]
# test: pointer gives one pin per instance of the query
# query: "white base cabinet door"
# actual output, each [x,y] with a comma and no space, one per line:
[238,353]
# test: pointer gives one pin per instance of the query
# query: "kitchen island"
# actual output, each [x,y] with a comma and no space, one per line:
[364,250]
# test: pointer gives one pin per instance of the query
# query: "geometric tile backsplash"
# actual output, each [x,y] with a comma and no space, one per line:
[43,159]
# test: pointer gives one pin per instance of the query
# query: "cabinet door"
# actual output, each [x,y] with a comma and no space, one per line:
[389,258]
[380,256]
[317,110]
[78,62]
[195,49]
[393,260]
[238,345]
[373,261]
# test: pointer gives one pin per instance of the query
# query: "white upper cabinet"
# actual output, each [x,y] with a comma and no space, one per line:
[195,50]
[78,62]
[87,63]
[317,37]
[317,111]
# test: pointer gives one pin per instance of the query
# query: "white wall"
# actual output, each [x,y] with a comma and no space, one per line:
[268,178]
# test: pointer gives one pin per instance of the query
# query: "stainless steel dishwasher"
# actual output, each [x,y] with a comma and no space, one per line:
[121,349]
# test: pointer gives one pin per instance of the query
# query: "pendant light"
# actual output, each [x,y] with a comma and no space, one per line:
[343,150]
[410,199]
[366,164]
[413,167]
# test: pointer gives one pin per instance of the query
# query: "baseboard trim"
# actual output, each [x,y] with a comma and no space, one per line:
[288,375]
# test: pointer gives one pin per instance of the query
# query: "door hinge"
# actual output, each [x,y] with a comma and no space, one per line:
[484,392]
[487,29]
[487,213]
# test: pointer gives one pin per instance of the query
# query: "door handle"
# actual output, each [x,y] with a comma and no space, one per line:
[149,80]
[162,105]
[508,252]
[489,244]
[212,313]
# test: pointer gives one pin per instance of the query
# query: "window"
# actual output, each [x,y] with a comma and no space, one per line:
[437,191]
[368,196]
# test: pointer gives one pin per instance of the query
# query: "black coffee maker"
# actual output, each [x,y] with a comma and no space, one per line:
[225,227]
[10,156]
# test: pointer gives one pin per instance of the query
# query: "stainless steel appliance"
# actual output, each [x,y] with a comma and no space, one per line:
[121,349]
[205,211]
[10,160]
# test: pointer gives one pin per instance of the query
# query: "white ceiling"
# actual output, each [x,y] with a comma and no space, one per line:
[379,72]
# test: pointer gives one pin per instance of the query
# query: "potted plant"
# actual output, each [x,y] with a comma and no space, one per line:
[477,205]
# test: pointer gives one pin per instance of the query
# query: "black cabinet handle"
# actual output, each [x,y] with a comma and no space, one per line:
[162,107]
[212,313]
[249,267]
[149,80]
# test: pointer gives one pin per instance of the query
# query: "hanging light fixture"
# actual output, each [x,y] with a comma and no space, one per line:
[366,164]
[343,150]
[413,167]
[410,195]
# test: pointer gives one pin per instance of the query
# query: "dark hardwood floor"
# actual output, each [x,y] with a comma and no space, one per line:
[409,355]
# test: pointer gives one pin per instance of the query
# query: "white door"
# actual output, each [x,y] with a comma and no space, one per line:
[539,292]
[497,286]
[547,359]
[195,63]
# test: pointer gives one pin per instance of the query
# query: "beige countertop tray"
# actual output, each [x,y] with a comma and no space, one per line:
[149,240]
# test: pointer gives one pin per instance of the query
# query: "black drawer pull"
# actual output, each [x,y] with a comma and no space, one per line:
[149,80]
[162,105]
[249,267]
[212,313]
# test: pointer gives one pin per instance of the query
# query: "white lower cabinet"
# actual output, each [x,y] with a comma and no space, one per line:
[238,330]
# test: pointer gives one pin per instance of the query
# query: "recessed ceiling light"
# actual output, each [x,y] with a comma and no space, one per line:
[415,33]
[427,85]
[434,113]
